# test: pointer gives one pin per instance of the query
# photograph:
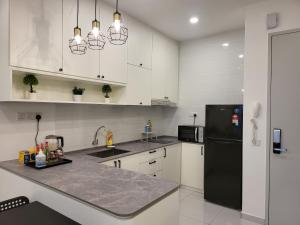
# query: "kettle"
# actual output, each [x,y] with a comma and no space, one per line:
[55,142]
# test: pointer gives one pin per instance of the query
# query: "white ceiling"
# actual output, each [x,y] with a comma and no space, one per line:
[171,17]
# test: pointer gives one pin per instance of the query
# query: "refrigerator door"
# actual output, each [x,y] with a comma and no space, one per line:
[223,172]
[224,121]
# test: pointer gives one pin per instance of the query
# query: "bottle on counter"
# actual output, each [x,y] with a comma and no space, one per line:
[109,138]
[40,159]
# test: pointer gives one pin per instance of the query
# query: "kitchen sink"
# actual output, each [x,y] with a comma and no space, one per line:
[108,153]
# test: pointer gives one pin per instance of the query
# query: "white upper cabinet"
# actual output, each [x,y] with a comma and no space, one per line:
[164,68]
[113,59]
[138,90]
[86,65]
[36,34]
[139,44]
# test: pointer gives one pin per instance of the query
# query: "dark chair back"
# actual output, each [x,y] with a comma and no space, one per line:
[13,203]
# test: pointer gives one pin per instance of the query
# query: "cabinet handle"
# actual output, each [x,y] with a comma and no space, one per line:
[154,175]
[60,69]
[102,77]
[119,161]
[98,76]
[152,152]
[150,163]
[115,162]
[141,64]
[165,156]
[201,150]
[141,103]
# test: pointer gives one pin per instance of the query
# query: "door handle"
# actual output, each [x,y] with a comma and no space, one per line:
[165,150]
[277,146]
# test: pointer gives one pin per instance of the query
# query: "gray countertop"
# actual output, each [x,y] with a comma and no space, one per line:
[119,192]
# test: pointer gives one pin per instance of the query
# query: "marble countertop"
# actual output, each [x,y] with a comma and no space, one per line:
[119,192]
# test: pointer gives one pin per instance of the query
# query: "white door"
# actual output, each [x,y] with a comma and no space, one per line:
[284,204]
[36,34]
[113,59]
[139,44]
[192,165]
[172,163]
[86,65]
[130,163]
[138,90]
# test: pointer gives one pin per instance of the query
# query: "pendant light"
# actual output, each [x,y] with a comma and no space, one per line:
[117,32]
[77,44]
[95,39]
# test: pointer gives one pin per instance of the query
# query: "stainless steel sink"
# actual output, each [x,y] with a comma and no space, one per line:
[108,153]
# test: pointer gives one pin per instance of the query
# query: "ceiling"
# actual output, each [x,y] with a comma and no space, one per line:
[171,17]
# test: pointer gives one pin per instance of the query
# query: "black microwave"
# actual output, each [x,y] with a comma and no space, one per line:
[193,134]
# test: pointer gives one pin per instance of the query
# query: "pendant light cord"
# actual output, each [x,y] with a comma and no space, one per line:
[95,9]
[117,6]
[77,11]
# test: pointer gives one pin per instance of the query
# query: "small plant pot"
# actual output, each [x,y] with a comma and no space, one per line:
[31,95]
[107,100]
[77,98]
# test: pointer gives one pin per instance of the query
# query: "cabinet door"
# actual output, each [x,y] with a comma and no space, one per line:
[158,67]
[138,90]
[130,163]
[36,34]
[113,59]
[172,73]
[192,165]
[139,44]
[164,68]
[172,163]
[86,65]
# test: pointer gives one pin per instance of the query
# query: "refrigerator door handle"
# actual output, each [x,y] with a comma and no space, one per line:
[223,142]
[196,134]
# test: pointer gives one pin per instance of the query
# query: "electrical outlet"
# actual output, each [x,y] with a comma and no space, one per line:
[192,114]
[27,115]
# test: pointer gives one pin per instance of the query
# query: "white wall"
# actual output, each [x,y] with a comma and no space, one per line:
[209,74]
[256,84]
[77,123]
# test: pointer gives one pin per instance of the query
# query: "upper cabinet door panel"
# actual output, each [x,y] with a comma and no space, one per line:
[113,59]
[140,44]
[86,65]
[36,34]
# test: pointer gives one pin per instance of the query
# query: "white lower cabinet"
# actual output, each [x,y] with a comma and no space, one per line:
[192,166]
[162,162]
[172,163]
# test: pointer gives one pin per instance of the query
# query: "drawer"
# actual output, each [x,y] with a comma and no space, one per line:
[153,154]
[151,166]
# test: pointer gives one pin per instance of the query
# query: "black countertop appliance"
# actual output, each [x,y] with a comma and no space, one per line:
[223,155]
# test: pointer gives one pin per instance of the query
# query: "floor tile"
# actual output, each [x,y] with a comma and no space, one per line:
[194,207]
[183,193]
[188,221]
[230,217]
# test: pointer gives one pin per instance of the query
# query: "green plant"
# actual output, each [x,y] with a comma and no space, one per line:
[106,89]
[30,80]
[78,91]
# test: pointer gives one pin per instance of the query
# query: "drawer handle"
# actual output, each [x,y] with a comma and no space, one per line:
[152,152]
[115,162]
[150,163]
[154,175]
[165,150]
[119,161]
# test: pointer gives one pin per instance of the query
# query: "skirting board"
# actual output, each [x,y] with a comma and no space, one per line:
[253,218]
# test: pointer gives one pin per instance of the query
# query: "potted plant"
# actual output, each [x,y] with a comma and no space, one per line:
[77,94]
[31,80]
[105,90]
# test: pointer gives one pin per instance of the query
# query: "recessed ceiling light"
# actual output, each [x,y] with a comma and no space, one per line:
[194,20]
[225,44]
[241,56]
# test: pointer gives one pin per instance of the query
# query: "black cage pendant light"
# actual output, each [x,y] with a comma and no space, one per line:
[77,44]
[95,39]
[117,32]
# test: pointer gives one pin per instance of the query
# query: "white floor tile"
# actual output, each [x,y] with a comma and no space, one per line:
[194,207]
[183,193]
[188,221]
[230,217]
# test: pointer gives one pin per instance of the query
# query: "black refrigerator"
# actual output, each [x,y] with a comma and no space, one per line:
[223,155]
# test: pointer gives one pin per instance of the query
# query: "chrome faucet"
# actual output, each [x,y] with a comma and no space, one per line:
[95,141]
